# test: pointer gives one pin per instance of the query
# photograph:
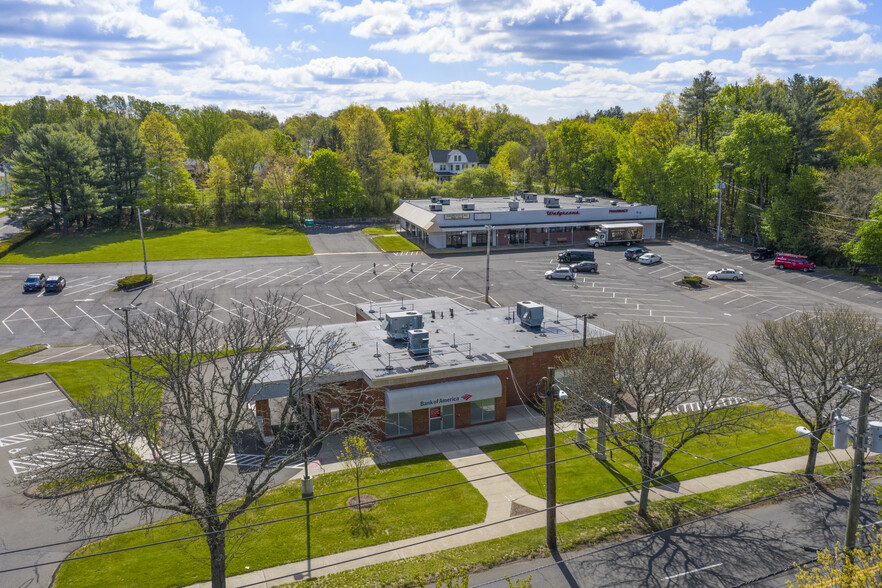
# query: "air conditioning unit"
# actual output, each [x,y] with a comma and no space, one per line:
[434,199]
[445,201]
[531,197]
[531,314]
[418,342]
[397,324]
[551,202]
[513,204]
[468,206]
[436,207]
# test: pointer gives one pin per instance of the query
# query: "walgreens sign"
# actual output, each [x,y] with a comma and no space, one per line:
[561,212]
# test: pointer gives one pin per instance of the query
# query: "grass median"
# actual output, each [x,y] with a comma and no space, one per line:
[580,475]
[187,562]
[122,245]
[609,526]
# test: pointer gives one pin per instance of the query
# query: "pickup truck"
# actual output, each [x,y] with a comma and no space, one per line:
[762,253]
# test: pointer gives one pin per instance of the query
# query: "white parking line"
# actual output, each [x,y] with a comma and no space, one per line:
[267,274]
[50,357]
[736,299]
[693,571]
[30,407]
[223,277]
[84,356]
[62,320]
[27,387]
[359,275]
[90,317]
[343,274]
[28,397]
[228,311]
[34,418]
[306,307]
[33,321]
[852,288]
[331,306]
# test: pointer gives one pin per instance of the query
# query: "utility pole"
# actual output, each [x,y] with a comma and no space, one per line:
[143,247]
[857,471]
[307,493]
[720,186]
[126,310]
[550,470]
[487,286]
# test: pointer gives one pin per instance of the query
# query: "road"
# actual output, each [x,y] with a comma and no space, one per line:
[750,547]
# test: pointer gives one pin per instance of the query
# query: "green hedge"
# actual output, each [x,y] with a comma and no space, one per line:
[19,238]
[692,280]
[136,281]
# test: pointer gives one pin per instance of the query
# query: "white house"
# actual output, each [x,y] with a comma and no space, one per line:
[449,162]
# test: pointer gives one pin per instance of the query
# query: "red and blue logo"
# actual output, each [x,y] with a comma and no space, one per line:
[466,396]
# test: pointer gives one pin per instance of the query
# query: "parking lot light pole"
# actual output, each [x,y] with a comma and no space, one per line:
[126,310]
[143,247]
[720,186]
[487,278]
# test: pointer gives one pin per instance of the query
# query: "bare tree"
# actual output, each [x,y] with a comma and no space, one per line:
[799,361]
[674,393]
[160,443]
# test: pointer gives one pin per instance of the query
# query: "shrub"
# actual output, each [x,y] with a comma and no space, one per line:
[19,238]
[692,280]
[137,281]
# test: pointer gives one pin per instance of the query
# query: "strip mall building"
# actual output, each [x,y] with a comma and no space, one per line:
[527,219]
[435,365]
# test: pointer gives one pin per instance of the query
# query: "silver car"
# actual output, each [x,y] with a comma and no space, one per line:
[560,273]
[725,274]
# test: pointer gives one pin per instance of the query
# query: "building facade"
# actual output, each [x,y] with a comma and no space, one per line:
[449,162]
[526,219]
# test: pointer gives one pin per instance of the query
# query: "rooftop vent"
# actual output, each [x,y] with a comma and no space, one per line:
[436,207]
[397,324]
[614,202]
[468,206]
[513,204]
[531,197]
[418,342]
[551,202]
[530,313]
[435,199]
[445,201]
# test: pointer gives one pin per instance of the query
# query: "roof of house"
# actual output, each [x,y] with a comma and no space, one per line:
[439,155]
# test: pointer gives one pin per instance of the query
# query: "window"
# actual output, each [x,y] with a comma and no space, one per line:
[479,238]
[519,236]
[478,216]
[398,424]
[559,230]
[484,411]
[335,415]
[457,216]
[443,167]
[457,167]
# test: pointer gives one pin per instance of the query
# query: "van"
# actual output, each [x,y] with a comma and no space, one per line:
[790,261]
[573,255]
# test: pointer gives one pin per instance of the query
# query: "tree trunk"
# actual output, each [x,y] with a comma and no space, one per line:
[218,550]
[644,494]
[812,456]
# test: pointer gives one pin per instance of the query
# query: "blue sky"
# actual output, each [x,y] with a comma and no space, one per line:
[543,58]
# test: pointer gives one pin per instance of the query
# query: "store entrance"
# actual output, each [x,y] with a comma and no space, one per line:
[441,418]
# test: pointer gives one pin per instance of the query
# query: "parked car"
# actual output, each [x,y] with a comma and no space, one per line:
[55,283]
[560,273]
[725,274]
[649,258]
[584,266]
[790,261]
[761,253]
[634,253]
[574,255]
[34,282]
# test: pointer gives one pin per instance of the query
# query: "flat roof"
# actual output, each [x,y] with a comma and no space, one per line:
[501,203]
[472,342]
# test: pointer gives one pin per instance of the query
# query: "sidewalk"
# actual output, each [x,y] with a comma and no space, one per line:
[502,494]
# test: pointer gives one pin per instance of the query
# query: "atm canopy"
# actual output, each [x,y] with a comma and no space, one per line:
[417,397]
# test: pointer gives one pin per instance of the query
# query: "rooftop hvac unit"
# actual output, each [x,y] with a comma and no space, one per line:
[468,206]
[551,202]
[397,324]
[531,197]
[434,199]
[418,342]
[513,204]
[531,313]
[436,207]
[445,201]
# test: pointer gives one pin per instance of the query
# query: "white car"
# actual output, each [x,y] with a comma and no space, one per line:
[649,258]
[560,273]
[725,274]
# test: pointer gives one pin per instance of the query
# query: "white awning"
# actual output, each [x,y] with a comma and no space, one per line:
[417,397]
[415,215]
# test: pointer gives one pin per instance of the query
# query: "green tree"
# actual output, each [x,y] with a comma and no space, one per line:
[867,249]
[479,182]
[220,182]
[359,461]
[695,106]
[643,152]
[810,101]
[854,129]
[260,120]
[567,144]
[165,153]
[335,189]
[690,178]
[509,160]
[10,131]
[245,148]
[122,155]
[367,147]
[500,127]
[57,171]
[201,128]
[789,219]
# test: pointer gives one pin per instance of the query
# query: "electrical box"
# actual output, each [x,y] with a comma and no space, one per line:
[397,324]
[875,434]
[436,207]
[531,314]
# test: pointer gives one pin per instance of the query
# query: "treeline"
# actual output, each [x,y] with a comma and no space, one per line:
[797,162]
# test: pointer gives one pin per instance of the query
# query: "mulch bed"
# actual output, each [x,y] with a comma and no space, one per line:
[368,501]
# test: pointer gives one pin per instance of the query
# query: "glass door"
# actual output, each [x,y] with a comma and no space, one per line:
[441,418]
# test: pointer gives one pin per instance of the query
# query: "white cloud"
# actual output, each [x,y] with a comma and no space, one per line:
[302,47]
[354,69]
[302,6]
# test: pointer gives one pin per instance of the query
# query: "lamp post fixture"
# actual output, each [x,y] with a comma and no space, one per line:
[143,247]
[126,310]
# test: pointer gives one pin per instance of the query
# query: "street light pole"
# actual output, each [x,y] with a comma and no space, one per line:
[126,310]
[720,186]
[143,247]
[487,284]
[857,473]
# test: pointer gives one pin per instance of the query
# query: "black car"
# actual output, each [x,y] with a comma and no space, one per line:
[584,266]
[34,282]
[634,253]
[762,253]
[55,283]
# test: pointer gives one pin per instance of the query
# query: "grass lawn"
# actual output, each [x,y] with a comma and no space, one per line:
[385,230]
[186,562]
[120,245]
[78,378]
[610,526]
[579,478]
[390,243]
